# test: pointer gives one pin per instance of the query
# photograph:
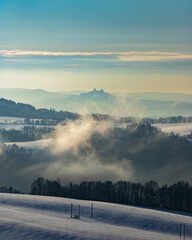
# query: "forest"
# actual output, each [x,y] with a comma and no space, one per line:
[177,196]
[10,108]
[27,133]
[139,152]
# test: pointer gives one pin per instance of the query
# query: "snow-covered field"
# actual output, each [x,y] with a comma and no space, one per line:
[35,145]
[11,120]
[13,126]
[11,123]
[18,123]
[21,126]
[177,128]
[25,217]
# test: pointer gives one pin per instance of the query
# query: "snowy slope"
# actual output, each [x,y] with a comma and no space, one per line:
[35,145]
[39,217]
[177,128]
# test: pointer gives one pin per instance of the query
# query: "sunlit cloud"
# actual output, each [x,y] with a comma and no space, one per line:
[154,58]
[133,56]
[74,65]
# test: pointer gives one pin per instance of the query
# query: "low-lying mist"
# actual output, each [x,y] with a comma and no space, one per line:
[76,158]
[90,150]
[71,157]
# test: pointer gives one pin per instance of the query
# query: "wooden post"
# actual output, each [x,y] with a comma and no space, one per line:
[180,231]
[92,210]
[184,231]
[71,210]
[79,211]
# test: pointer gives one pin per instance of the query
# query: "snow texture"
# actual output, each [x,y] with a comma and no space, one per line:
[11,119]
[35,145]
[40,217]
[178,128]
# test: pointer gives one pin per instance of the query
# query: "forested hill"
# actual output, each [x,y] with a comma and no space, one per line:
[12,109]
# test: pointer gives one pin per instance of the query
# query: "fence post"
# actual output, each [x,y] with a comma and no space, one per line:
[71,210]
[79,211]
[180,230]
[92,210]
[184,231]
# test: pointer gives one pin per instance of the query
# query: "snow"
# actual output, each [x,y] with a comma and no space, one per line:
[13,126]
[11,120]
[34,145]
[18,123]
[40,217]
[5,119]
[177,128]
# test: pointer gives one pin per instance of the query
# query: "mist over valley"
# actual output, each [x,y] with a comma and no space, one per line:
[93,147]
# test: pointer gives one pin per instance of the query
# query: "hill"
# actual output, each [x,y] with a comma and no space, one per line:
[89,102]
[94,151]
[38,217]
[128,104]
[135,105]
[12,109]
[158,96]
[32,96]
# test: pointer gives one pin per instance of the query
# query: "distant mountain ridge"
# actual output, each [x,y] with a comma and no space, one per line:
[30,96]
[98,101]
[161,96]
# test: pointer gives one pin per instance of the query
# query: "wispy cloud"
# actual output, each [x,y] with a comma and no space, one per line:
[16,52]
[133,56]
[154,58]
[74,65]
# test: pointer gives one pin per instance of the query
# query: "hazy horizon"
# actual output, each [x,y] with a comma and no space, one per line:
[124,46]
[97,89]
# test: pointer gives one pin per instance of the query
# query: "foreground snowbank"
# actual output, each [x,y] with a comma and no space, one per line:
[39,217]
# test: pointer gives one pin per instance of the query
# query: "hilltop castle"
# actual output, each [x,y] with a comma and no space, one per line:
[95,90]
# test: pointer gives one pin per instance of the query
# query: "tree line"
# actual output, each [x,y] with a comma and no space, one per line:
[177,196]
[27,133]
[172,119]
[148,151]
[12,109]
[4,189]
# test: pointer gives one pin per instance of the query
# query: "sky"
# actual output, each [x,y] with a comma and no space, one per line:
[120,46]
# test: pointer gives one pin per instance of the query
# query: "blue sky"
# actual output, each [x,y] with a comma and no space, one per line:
[135,45]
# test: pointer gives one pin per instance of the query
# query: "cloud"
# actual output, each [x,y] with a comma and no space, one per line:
[133,56]
[76,134]
[154,58]
[74,65]
[88,150]
[71,156]
[76,158]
